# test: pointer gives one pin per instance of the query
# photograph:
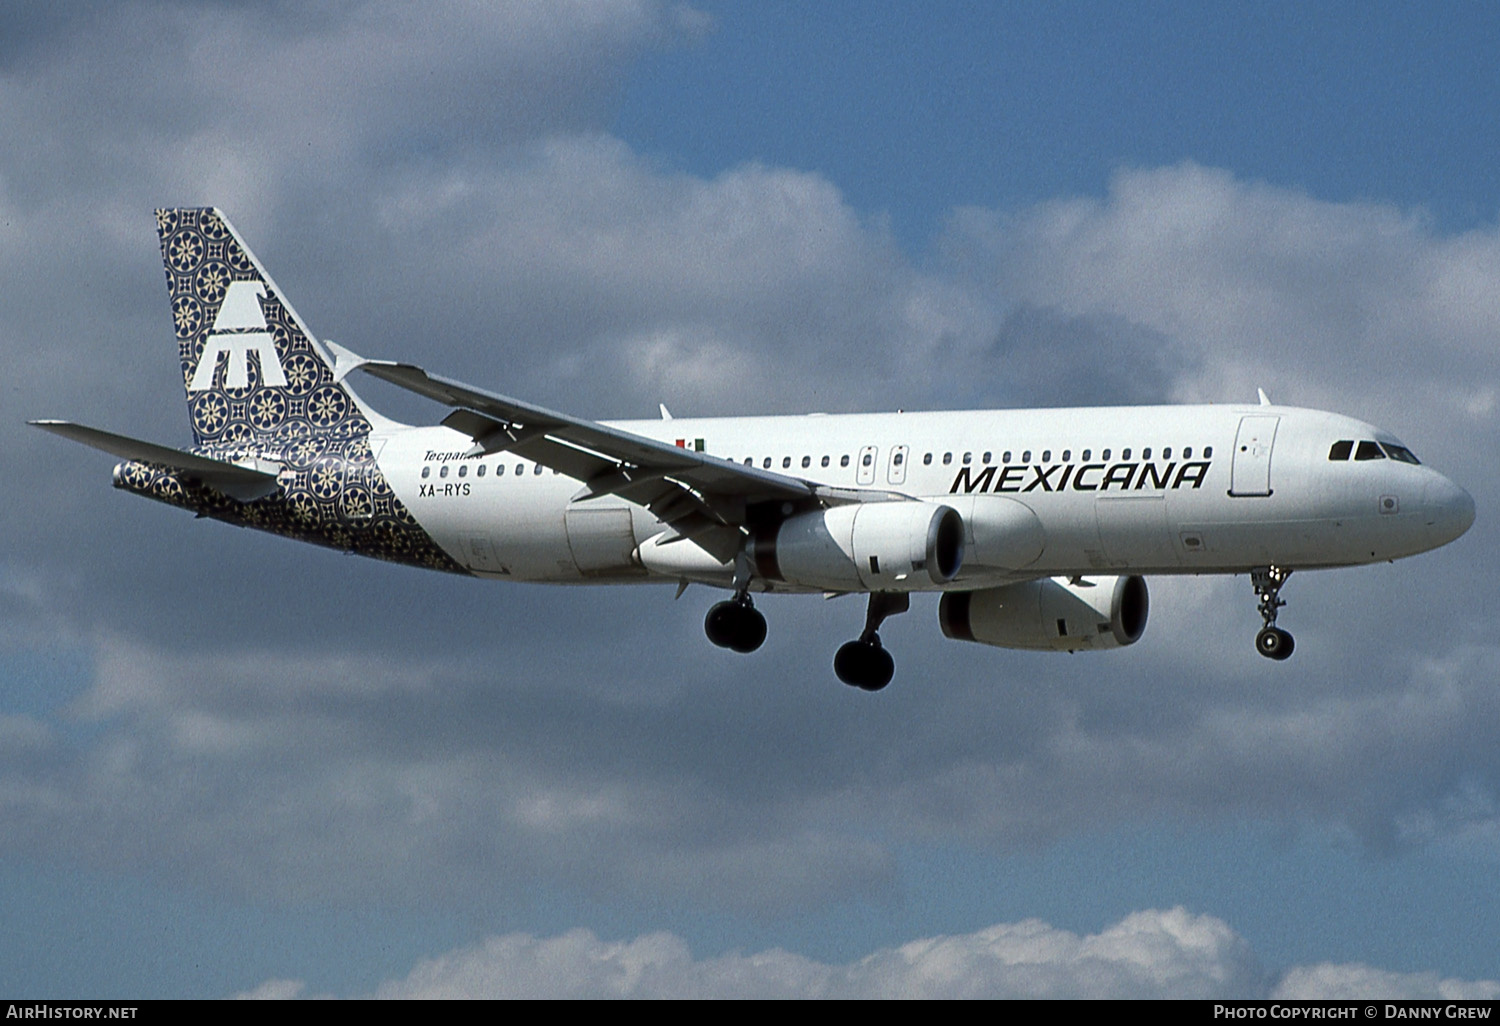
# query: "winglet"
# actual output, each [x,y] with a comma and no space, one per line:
[666,414]
[1265,400]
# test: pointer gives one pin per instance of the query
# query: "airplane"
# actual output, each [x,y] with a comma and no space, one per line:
[1037,527]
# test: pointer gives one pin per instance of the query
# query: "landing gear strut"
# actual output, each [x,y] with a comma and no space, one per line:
[736,624]
[1272,642]
[864,663]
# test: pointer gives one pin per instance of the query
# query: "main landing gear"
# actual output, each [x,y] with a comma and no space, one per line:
[736,624]
[864,663]
[1272,642]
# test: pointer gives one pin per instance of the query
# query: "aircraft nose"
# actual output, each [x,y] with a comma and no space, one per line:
[1450,509]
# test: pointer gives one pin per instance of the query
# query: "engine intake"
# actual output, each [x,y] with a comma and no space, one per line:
[1053,614]
[872,546]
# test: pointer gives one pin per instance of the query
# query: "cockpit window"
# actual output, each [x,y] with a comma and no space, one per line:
[1341,450]
[1400,453]
[1368,451]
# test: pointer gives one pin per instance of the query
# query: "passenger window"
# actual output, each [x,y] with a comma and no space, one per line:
[1187,452]
[1046,455]
[1088,454]
[499,469]
[986,459]
[1067,455]
[866,460]
[1124,454]
[767,463]
[443,470]
[806,461]
[844,460]
[463,470]
[927,459]
[1208,452]
[825,461]
[426,471]
[1400,453]
[1368,451]
[1005,456]
[968,458]
[480,471]
[786,462]
[1146,453]
[1166,453]
[1104,455]
[900,459]
[538,469]
[947,458]
[1340,450]
[1026,456]
[520,469]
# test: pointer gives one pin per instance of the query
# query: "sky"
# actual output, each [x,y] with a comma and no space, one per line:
[232,765]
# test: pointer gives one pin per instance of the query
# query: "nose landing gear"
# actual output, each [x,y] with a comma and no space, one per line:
[1272,642]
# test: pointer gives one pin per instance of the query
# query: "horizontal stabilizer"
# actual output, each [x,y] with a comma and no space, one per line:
[242,483]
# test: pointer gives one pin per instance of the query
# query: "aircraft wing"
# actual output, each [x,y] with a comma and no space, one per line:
[693,492]
[243,483]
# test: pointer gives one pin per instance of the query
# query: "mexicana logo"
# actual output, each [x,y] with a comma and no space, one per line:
[1089,477]
[239,330]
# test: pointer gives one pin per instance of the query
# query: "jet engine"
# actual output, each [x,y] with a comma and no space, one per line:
[872,546]
[1053,614]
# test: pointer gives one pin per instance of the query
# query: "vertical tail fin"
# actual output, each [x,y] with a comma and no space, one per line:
[249,366]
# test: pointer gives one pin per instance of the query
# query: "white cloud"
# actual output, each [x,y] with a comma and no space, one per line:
[1330,982]
[1325,304]
[1150,954]
[423,777]
[274,990]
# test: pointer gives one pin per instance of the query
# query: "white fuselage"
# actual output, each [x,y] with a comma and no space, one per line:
[1147,490]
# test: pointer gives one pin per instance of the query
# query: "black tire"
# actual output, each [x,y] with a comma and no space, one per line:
[881,669]
[749,630]
[719,624]
[849,662]
[1274,643]
[864,665]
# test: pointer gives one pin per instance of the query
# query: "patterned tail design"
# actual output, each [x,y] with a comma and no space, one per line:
[260,390]
[249,366]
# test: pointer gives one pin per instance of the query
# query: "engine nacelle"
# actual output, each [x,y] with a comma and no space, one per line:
[1052,614]
[871,546]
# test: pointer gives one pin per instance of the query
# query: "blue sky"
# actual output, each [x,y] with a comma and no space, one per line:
[912,110]
[229,764]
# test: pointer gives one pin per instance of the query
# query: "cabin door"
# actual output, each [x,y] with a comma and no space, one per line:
[1250,472]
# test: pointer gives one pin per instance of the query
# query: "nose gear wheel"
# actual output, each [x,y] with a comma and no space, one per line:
[1272,642]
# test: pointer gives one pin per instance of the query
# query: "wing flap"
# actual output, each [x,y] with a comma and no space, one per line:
[702,498]
[519,422]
